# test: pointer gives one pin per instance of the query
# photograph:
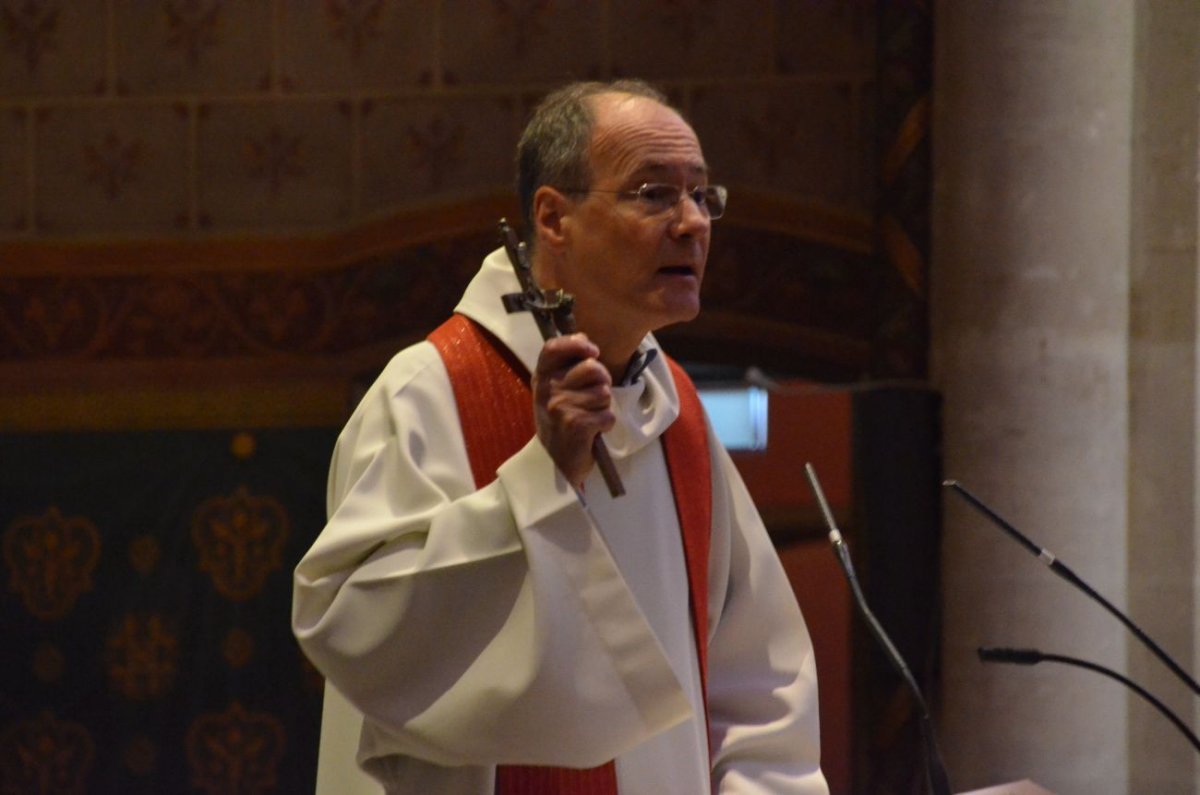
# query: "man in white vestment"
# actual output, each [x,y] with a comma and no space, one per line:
[472,635]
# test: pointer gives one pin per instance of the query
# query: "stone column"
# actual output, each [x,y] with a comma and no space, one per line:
[1031,349]
[1162,385]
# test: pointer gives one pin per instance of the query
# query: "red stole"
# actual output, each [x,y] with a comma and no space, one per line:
[491,390]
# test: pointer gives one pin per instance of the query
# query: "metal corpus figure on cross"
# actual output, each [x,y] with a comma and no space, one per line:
[553,312]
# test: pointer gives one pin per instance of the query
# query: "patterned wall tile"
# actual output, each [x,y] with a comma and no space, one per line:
[274,165]
[52,47]
[690,38]
[192,45]
[115,163]
[417,149]
[825,37]
[111,169]
[339,44]
[498,41]
[14,184]
[802,139]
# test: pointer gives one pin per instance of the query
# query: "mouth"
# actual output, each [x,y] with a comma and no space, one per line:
[678,270]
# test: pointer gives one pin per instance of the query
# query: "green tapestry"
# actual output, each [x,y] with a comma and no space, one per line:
[146,606]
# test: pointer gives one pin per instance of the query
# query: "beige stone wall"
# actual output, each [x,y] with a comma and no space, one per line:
[1163,385]
[177,118]
[1064,341]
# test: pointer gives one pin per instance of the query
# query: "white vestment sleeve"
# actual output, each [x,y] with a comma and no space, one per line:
[337,771]
[762,688]
[471,627]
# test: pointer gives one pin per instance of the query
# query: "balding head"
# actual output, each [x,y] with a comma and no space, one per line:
[554,148]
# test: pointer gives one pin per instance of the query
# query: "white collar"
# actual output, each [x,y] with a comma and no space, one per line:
[645,409]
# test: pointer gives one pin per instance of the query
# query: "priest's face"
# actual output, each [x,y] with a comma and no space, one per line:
[635,261]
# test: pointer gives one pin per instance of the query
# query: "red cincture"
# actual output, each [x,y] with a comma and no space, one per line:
[491,390]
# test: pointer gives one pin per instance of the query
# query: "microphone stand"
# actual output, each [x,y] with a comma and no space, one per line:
[1033,657]
[935,769]
[1062,570]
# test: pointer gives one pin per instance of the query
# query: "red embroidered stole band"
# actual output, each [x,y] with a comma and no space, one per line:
[685,445]
[491,391]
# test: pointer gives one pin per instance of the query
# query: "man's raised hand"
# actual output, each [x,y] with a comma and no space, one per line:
[572,403]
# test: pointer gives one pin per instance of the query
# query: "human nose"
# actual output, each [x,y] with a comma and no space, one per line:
[690,218]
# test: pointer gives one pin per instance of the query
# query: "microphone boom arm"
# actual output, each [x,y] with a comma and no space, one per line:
[1033,657]
[935,768]
[1062,570]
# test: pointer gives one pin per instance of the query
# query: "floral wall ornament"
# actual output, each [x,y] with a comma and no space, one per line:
[240,540]
[30,27]
[112,163]
[50,560]
[274,158]
[192,25]
[142,657]
[51,318]
[182,316]
[355,22]
[45,754]
[281,312]
[217,315]
[235,751]
[523,21]
[436,147]
[238,648]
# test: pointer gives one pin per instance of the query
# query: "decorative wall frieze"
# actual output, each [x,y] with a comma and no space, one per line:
[132,304]
[792,287]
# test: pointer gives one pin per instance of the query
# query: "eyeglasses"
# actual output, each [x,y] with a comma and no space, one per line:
[658,199]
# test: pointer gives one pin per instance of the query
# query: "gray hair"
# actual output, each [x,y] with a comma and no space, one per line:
[553,150]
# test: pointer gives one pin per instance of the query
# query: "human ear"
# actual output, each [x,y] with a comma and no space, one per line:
[550,208]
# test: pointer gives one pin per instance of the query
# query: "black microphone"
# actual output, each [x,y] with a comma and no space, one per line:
[1062,570]
[935,769]
[1033,657]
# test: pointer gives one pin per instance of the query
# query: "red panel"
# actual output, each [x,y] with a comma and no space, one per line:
[825,599]
[808,424]
[803,426]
